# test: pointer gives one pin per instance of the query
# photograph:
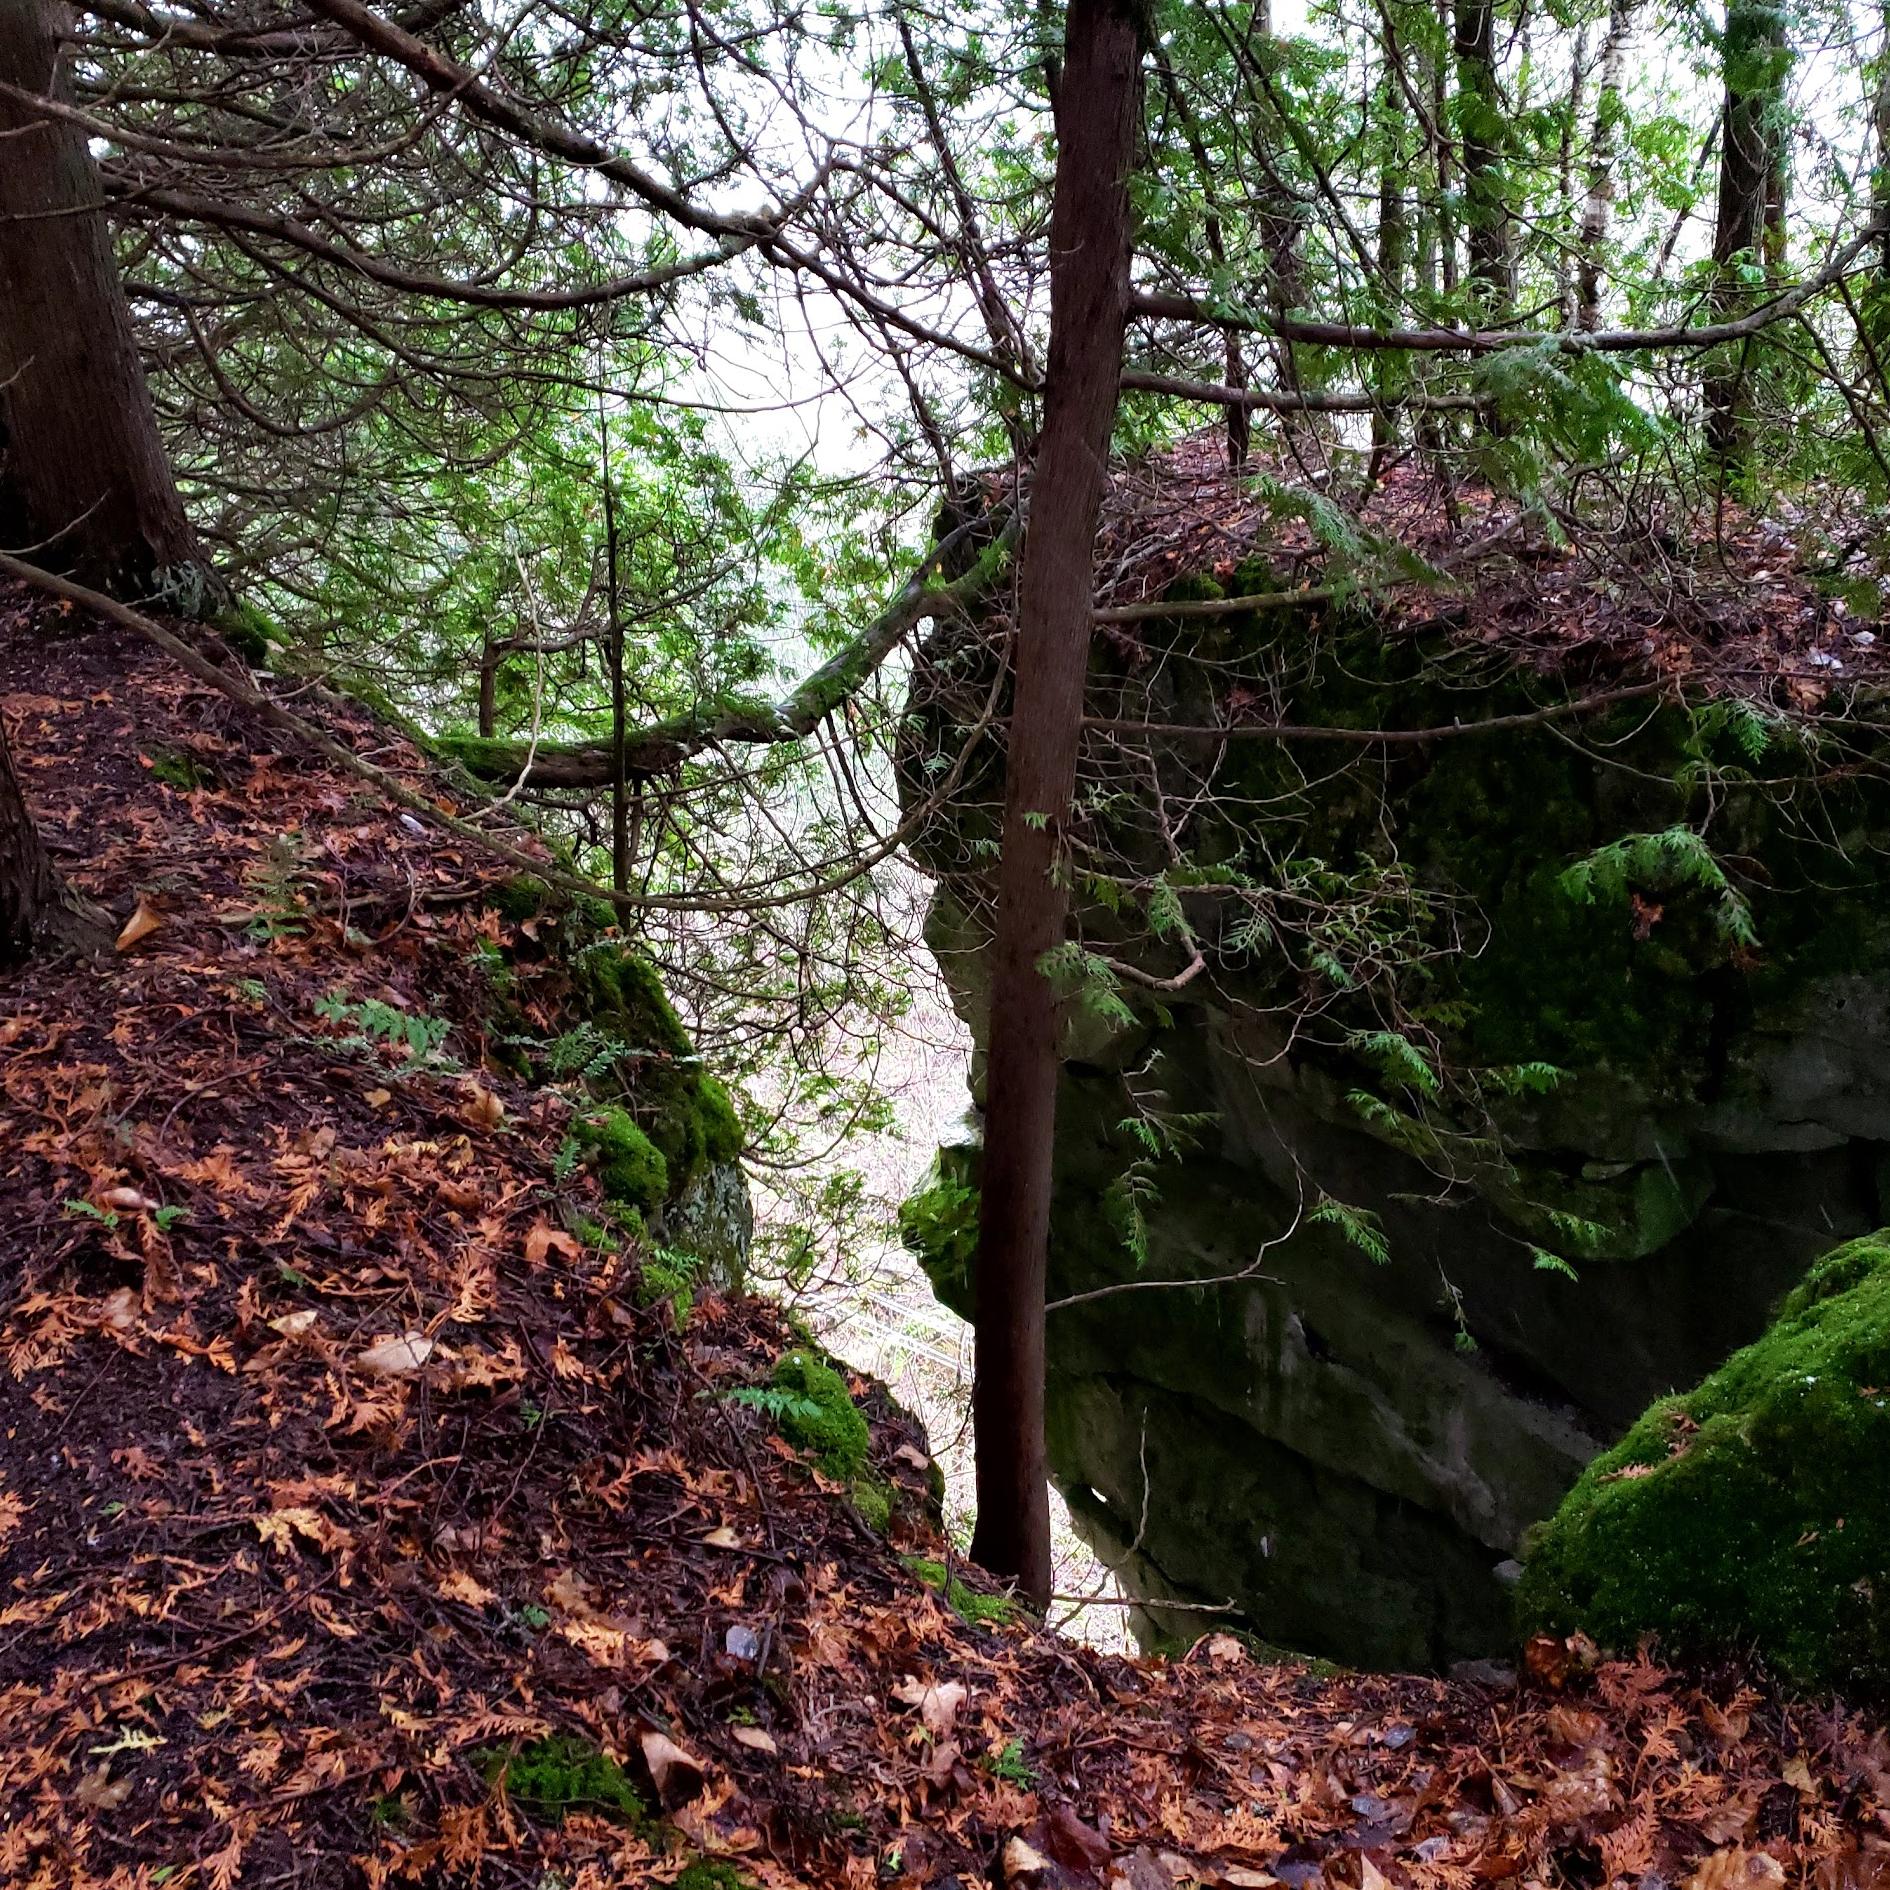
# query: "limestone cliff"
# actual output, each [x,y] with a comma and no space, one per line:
[1431,1105]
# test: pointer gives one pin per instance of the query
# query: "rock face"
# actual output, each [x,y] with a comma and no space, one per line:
[1522,1073]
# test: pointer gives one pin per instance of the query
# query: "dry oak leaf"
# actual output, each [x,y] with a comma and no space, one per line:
[938,1705]
[544,1239]
[755,1739]
[457,1585]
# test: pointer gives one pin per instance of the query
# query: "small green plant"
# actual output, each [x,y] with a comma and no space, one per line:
[379,1025]
[81,1210]
[175,769]
[169,1217]
[772,1402]
[670,1274]
[1008,1764]
[275,889]
[1672,860]
[1357,1227]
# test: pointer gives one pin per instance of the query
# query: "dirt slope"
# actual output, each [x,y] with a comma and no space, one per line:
[360,1521]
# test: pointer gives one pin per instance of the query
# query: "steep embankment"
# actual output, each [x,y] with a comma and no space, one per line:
[374,1506]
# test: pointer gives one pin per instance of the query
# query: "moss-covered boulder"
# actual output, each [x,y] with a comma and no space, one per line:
[818,1414]
[661,1132]
[1752,1513]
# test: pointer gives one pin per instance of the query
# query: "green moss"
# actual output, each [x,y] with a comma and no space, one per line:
[630,1166]
[713,1873]
[966,1603]
[175,769]
[938,1222]
[563,1773]
[519,898]
[873,1500]
[684,1110]
[1753,1512]
[248,631]
[833,1431]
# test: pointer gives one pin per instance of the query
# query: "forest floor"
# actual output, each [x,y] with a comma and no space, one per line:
[359,1523]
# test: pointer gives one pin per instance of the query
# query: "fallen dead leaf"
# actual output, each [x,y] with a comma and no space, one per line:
[394,1358]
[142,923]
[544,1240]
[677,1776]
[1021,1861]
[755,1739]
[1737,1869]
[99,1791]
[938,1705]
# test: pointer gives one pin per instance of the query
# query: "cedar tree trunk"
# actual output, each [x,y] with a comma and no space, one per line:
[35,905]
[1755,57]
[1099,109]
[85,486]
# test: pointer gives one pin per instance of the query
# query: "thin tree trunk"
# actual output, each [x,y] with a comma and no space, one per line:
[1481,112]
[1100,106]
[85,485]
[1754,58]
[1394,242]
[1880,178]
[1598,207]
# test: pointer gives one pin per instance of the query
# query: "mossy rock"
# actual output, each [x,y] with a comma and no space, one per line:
[520,898]
[823,1421]
[563,1773]
[1751,1514]
[684,1110]
[713,1873]
[938,1223]
[629,1165]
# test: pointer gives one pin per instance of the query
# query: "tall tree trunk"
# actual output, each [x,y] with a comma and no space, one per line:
[1100,103]
[1755,58]
[1480,114]
[1880,177]
[1394,242]
[1598,206]
[85,485]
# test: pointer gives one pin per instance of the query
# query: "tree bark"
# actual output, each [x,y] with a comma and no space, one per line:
[1480,112]
[85,485]
[1755,57]
[1599,204]
[1394,241]
[36,907]
[1099,111]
